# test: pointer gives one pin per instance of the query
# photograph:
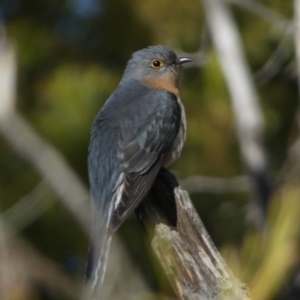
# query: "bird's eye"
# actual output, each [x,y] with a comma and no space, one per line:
[156,63]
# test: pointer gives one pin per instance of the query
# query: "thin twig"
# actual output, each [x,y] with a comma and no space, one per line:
[264,12]
[204,184]
[29,208]
[276,60]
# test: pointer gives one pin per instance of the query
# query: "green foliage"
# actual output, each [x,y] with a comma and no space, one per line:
[266,259]
[67,102]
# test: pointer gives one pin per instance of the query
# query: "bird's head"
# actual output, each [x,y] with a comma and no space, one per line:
[157,66]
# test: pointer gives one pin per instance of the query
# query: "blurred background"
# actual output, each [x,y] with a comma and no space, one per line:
[70,55]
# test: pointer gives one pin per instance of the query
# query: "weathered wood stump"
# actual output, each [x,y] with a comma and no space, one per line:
[186,252]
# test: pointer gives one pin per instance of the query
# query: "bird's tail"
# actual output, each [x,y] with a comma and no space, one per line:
[97,262]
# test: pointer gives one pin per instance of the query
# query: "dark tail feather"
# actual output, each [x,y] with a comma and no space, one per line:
[97,262]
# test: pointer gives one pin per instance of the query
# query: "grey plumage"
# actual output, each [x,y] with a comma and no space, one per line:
[139,66]
[140,129]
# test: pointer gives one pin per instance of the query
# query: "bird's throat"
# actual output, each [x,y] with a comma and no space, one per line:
[164,84]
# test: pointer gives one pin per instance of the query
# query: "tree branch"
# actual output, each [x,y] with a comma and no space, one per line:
[247,111]
[188,256]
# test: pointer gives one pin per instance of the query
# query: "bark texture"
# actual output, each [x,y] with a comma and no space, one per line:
[188,256]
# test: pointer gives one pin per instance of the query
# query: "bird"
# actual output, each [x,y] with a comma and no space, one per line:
[140,129]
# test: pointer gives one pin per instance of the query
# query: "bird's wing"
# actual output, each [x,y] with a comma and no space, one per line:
[147,131]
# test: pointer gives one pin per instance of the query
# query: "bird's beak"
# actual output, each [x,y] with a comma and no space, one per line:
[183,60]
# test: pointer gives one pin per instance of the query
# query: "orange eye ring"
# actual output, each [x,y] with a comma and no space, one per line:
[156,63]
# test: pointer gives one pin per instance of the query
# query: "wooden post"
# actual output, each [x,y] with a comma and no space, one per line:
[186,252]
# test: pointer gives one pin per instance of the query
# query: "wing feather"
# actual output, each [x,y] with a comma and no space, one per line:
[143,143]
